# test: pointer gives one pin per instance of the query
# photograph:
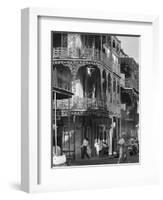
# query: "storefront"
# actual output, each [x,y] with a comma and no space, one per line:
[74,126]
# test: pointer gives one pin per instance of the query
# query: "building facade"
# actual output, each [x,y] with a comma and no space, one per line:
[90,68]
[129,95]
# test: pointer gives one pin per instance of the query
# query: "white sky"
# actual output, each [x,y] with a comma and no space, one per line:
[130,45]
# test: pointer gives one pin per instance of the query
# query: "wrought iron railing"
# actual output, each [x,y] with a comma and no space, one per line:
[63,52]
[85,53]
[60,52]
[82,104]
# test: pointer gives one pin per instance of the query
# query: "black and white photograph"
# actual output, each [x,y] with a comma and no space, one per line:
[94,99]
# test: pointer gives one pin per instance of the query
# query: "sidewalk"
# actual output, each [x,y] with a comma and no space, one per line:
[103,160]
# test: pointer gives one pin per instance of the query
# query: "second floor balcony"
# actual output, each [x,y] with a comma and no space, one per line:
[81,104]
[86,105]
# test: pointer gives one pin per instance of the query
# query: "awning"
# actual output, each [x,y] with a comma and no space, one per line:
[62,93]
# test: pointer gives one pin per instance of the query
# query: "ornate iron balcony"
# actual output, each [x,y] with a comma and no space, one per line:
[82,104]
[84,53]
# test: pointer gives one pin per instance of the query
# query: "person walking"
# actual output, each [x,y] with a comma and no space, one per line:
[122,148]
[97,147]
[84,148]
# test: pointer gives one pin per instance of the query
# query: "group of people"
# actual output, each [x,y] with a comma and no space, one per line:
[126,148]
[101,146]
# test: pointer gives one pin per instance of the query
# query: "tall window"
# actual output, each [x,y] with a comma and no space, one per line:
[118,88]
[104,82]
[56,40]
[113,43]
[110,86]
[103,43]
[118,93]
[109,83]
[62,77]
[64,40]
[114,85]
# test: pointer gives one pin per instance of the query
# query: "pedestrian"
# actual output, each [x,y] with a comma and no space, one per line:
[84,148]
[122,148]
[89,151]
[97,146]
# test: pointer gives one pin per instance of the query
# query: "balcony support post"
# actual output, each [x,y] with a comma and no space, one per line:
[102,93]
[110,138]
[101,47]
[55,121]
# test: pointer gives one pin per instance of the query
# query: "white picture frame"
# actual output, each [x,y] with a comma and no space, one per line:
[35,176]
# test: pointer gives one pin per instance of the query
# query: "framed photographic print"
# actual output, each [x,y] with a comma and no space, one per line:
[86,100]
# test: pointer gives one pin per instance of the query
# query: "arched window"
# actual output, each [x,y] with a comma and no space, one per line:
[89,78]
[62,77]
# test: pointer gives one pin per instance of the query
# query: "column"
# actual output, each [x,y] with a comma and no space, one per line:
[55,121]
[110,139]
[74,126]
[120,133]
[102,94]
[117,130]
[107,92]
[101,47]
[111,89]
[73,82]
[69,121]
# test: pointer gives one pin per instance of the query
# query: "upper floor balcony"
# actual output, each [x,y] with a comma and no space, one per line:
[85,53]
[88,54]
